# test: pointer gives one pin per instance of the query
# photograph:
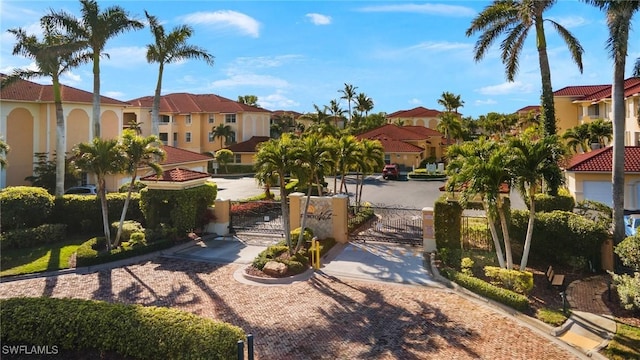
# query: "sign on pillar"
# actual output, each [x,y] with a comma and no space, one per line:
[428,232]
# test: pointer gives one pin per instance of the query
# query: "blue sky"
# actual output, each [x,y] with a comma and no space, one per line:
[294,54]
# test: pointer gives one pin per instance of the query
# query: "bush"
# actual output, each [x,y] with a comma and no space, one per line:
[134,331]
[25,207]
[628,289]
[365,214]
[25,238]
[296,264]
[306,237]
[466,266]
[547,203]
[128,227]
[447,223]
[518,281]
[269,254]
[137,186]
[137,239]
[93,251]
[629,251]
[480,287]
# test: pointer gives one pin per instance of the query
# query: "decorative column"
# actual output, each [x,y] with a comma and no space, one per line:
[340,205]
[295,206]
[221,212]
[428,233]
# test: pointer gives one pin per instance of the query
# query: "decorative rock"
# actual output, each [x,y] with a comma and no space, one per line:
[274,268]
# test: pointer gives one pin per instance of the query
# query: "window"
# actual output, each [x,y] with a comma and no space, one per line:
[165,119]
[231,139]
[229,118]
[164,137]
[187,137]
[211,137]
[387,158]
[237,158]
[594,110]
[211,118]
[187,119]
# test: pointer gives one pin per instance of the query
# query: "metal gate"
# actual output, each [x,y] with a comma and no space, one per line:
[474,231]
[256,217]
[391,224]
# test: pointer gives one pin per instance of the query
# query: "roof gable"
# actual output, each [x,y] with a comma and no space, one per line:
[248,146]
[175,155]
[598,92]
[601,160]
[177,175]
[419,111]
[185,103]
[395,132]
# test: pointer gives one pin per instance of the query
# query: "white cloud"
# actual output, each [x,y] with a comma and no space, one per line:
[440,46]
[429,8]
[276,101]
[415,101]
[485,102]
[261,62]
[570,22]
[250,80]
[114,94]
[319,19]
[226,19]
[506,88]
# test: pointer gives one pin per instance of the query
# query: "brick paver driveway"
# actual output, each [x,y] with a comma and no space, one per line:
[322,318]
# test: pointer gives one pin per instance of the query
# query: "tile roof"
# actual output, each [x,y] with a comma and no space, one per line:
[580,90]
[599,92]
[398,146]
[529,108]
[415,112]
[177,175]
[395,132]
[185,103]
[24,90]
[601,160]
[248,146]
[175,155]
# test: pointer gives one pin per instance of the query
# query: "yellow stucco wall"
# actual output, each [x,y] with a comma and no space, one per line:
[566,114]
[575,185]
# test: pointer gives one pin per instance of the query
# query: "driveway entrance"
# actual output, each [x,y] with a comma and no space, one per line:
[392,224]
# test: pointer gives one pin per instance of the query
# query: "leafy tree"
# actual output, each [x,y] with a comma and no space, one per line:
[54,55]
[224,156]
[45,173]
[619,14]
[636,68]
[514,19]
[168,49]
[284,123]
[497,124]
[139,152]
[250,100]
[94,28]
[348,93]
[101,157]
[136,126]
[222,131]
[4,150]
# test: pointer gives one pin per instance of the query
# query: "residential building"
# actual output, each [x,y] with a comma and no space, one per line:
[419,116]
[577,105]
[244,152]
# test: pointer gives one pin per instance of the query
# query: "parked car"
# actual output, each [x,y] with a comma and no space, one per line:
[391,171]
[631,224]
[82,190]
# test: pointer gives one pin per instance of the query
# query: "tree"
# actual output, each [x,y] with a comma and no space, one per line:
[168,49]
[530,161]
[250,100]
[619,14]
[139,152]
[45,172]
[450,125]
[364,104]
[101,157]
[54,55]
[348,153]
[136,126]
[223,157]
[514,19]
[600,131]
[94,28]
[284,123]
[578,136]
[450,102]
[277,156]
[348,93]
[370,161]
[4,150]
[222,131]
[636,68]
[335,112]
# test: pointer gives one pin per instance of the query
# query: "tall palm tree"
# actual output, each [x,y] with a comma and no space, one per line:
[531,160]
[222,131]
[4,149]
[578,136]
[101,157]
[601,131]
[54,55]
[370,161]
[348,153]
[335,111]
[514,19]
[450,125]
[348,93]
[277,156]
[94,28]
[250,100]
[364,104]
[167,49]
[450,102]
[139,152]
[619,14]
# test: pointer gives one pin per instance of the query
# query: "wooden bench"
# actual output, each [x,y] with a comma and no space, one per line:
[554,279]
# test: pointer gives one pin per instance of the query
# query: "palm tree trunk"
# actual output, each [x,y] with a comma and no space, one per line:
[304,221]
[61,142]
[125,208]
[155,108]
[494,234]
[505,234]
[105,211]
[286,224]
[527,240]
[96,96]
[617,179]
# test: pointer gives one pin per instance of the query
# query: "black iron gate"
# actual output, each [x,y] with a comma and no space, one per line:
[256,217]
[391,224]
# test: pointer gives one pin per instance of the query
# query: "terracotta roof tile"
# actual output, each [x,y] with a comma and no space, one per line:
[248,146]
[399,146]
[415,112]
[177,175]
[394,132]
[175,155]
[185,103]
[24,90]
[601,160]
[598,92]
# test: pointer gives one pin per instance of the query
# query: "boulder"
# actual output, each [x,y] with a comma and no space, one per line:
[274,268]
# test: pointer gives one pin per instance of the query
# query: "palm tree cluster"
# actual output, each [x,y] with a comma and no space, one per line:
[580,138]
[309,158]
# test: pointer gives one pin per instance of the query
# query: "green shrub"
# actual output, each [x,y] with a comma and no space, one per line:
[547,203]
[518,281]
[447,223]
[93,251]
[422,174]
[325,246]
[306,237]
[128,227]
[480,287]
[137,186]
[466,266]
[629,251]
[296,264]
[269,254]
[25,207]
[628,289]
[134,331]
[365,214]
[25,238]
[137,239]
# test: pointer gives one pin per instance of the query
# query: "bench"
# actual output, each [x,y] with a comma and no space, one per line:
[554,279]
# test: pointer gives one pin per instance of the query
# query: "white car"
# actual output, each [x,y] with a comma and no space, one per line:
[82,190]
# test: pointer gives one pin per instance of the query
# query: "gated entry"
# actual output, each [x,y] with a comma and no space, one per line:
[392,224]
[256,217]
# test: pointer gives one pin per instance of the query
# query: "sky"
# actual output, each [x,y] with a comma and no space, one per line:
[294,54]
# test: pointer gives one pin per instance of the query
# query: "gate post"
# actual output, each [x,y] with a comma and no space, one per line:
[340,204]
[222,215]
[295,206]
[428,233]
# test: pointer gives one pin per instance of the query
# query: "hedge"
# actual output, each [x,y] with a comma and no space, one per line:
[40,235]
[130,330]
[546,203]
[483,288]
[447,223]
[93,251]
[25,207]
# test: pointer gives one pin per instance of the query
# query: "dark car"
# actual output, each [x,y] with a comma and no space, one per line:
[391,171]
[82,190]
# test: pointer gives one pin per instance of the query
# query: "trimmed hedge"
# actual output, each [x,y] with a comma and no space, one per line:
[93,251]
[519,281]
[483,288]
[423,174]
[447,223]
[131,330]
[547,203]
[24,238]
[25,207]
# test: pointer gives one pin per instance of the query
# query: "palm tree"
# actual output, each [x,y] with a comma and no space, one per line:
[277,156]
[364,104]
[348,93]
[636,68]
[335,111]
[601,131]
[619,14]
[531,160]
[450,125]
[101,157]
[578,136]
[514,19]
[450,102]
[4,150]
[95,28]
[370,161]
[139,152]
[250,100]
[348,153]
[136,126]
[222,131]
[168,49]
[53,56]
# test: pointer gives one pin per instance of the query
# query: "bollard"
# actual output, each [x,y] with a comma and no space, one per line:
[240,350]
[250,347]
[315,253]
[564,301]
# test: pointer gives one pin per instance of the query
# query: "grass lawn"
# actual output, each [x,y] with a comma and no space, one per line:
[625,343]
[47,257]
